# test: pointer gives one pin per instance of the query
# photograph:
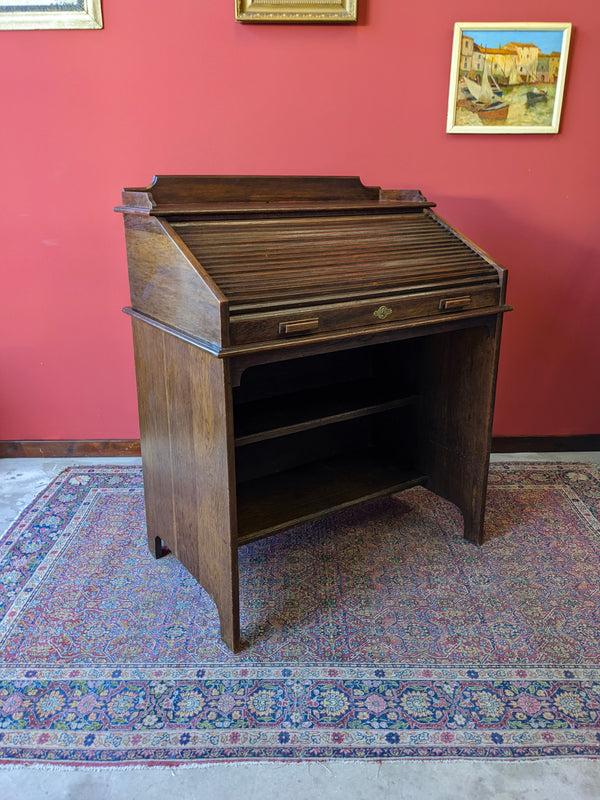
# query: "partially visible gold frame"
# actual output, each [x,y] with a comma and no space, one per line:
[51,15]
[294,11]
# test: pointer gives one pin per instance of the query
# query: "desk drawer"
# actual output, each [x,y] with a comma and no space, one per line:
[380,312]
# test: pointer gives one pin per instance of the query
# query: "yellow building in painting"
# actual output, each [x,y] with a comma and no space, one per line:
[466,53]
[514,63]
[554,63]
[502,63]
[527,59]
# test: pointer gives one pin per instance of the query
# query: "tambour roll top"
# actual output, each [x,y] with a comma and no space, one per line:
[240,263]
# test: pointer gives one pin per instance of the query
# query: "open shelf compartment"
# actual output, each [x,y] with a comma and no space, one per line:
[282,500]
[321,433]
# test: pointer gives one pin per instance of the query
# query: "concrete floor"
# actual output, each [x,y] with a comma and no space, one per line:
[565,779]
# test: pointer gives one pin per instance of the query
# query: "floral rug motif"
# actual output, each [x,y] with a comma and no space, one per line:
[376,633]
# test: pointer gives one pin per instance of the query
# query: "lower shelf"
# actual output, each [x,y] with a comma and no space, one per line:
[276,502]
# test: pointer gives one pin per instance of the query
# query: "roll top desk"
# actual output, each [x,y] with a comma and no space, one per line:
[302,344]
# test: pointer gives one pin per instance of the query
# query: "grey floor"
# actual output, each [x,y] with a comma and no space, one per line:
[568,779]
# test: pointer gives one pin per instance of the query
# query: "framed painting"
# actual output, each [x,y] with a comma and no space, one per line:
[292,11]
[39,14]
[507,77]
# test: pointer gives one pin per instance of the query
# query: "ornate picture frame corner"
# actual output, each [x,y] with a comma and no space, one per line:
[311,11]
[51,15]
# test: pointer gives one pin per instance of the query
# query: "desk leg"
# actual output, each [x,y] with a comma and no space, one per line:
[456,429]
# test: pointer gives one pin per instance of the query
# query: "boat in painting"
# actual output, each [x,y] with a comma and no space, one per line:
[536,96]
[483,99]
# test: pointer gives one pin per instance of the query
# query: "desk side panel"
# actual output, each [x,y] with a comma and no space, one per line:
[459,385]
[167,284]
[184,403]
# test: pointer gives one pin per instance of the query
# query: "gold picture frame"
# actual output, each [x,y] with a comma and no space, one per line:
[293,11]
[507,77]
[50,14]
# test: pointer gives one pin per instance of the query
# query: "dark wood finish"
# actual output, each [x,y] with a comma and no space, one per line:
[187,457]
[302,345]
[112,448]
[117,448]
[190,191]
[276,502]
[459,382]
[167,283]
[546,444]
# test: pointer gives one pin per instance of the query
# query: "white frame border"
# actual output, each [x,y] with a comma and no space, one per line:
[459,27]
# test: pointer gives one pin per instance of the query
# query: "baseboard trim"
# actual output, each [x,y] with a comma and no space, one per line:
[67,448]
[114,448]
[546,444]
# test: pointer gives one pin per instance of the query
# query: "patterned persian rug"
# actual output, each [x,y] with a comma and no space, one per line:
[377,633]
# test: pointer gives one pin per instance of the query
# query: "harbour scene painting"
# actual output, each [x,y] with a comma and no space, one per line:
[507,78]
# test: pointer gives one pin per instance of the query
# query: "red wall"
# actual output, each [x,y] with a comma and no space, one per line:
[180,87]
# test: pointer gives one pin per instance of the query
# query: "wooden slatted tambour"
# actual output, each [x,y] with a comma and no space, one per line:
[288,262]
[302,344]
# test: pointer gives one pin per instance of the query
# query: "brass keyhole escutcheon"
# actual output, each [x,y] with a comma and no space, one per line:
[382,312]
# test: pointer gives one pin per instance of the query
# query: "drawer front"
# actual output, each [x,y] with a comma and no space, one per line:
[382,312]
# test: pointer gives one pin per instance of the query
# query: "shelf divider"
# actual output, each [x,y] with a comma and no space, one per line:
[282,416]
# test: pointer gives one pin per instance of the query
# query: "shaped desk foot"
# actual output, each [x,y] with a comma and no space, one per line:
[229,620]
[473,526]
[155,546]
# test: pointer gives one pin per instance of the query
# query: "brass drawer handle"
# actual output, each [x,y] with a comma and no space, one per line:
[455,303]
[382,312]
[300,326]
